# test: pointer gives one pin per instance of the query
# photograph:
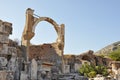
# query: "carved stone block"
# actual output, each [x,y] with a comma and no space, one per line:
[4,38]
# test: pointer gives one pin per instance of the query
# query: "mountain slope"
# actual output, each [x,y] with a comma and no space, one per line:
[108,49]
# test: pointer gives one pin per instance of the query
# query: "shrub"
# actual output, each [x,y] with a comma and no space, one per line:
[92,74]
[115,55]
[91,71]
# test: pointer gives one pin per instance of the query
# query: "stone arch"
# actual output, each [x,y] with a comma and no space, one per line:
[31,23]
[44,34]
[50,21]
[29,32]
[47,19]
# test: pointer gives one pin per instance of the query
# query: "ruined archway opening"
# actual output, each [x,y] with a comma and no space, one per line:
[44,33]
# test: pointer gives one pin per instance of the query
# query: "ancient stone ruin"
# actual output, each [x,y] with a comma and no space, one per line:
[8,54]
[27,61]
[43,61]
[49,55]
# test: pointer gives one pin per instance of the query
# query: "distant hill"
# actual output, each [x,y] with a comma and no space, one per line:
[108,49]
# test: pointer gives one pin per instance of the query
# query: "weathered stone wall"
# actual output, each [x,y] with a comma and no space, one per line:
[45,52]
[70,60]
[75,61]
[5,27]
[8,53]
[5,31]
[94,59]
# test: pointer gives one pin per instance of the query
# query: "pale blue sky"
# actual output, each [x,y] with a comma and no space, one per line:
[89,24]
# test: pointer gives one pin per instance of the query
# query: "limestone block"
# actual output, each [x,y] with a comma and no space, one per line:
[3,75]
[34,69]
[67,68]
[12,64]
[24,76]
[4,49]
[99,78]
[4,39]
[39,75]
[1,28]
[7,27]
[39,63]
[119,71]
[1,46]
[117,76]
[1,22]
[10,76]
[12,50]
[3,61]
[77,66]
